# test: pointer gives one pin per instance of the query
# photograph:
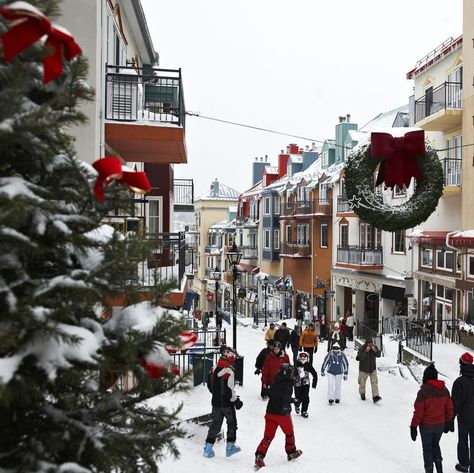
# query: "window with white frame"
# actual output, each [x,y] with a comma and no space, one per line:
[444,260]
[266,239]
[344,235]
[266,206]
[324,236]
[155,211]
[302,234]
[288,199]
[452,164]
[323,193]
[427,257]
[288,234]
[398,241]
[276,239]
[325,159]
[276,205]
[470,267]
[454,89]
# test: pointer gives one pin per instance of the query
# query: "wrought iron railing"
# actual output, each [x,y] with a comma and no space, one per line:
[419,338]
[452,171]
[248,252]
[199,360]
[183,191]
[446,95]
[363,331]
[246,220]
[136,93]
[359,255]
[288,248]
[212,337]
[306,207]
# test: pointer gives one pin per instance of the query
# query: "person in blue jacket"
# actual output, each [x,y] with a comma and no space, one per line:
[337,366]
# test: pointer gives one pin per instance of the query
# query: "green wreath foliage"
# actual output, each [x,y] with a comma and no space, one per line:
[369,204]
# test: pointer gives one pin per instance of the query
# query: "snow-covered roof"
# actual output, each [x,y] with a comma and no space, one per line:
[383,120]
[219,191]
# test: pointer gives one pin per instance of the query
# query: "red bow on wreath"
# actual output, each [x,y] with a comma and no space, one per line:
[28,26]
[110,169]
[399,164]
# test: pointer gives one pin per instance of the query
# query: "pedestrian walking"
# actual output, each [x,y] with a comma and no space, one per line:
[302,382]
[350,327]
[366,356]
[279,415]
[433,411]
[337,366]
[221,382]
[271,366]
[463,409]
[295,342]
[309,341]
[270,333]
[282,335]
[259,362]
[337,337]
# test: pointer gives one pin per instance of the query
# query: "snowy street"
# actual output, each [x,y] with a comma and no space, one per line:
[352,436]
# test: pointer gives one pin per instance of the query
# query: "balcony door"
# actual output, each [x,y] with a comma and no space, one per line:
[454,91]
[155,214]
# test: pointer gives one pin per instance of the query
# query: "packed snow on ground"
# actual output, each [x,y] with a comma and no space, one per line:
[354,436]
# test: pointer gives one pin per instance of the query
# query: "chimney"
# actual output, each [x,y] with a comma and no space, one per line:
[282,164]
[215,186]
[261,159]
[342,119]
[258,168]
[293,149]
[266,158]
[348,118]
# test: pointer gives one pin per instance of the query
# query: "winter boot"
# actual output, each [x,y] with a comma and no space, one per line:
[297,406]
[294,455]
[304,414]
[428,469]
[338,401]
[377,399]
[331,401]
[259,463]
[209,450]
[362,396]
[462,468]
[231,448]
[438,465]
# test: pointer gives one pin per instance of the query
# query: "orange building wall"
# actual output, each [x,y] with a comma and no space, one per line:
[300,271]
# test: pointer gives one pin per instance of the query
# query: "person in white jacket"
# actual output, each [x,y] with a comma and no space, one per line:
[337,366]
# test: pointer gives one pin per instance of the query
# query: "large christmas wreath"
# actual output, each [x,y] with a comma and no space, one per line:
[373,204]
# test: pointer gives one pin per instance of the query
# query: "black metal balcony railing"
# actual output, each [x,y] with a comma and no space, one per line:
[447,95]
[248,252]
[306,207]
[343,205]
[246,220]
[183,192]
[452,171]
[135,93]
[288,248]
[359,255]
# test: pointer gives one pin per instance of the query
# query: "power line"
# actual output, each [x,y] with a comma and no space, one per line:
[314,140]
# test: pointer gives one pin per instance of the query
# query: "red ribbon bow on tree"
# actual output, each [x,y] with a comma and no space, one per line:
[399,164]
[28,26]
[110,169]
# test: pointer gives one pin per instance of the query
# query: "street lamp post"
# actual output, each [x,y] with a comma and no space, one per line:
[216,276]
[234,259]
[265,286]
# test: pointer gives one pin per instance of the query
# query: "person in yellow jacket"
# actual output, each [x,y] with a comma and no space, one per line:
[309,341]
[270,333]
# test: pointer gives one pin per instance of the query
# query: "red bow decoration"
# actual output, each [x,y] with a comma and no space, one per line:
[110,169]
[157,371]
[399,164]
[29,25]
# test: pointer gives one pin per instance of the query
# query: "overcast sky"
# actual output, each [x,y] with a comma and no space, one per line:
[291,66]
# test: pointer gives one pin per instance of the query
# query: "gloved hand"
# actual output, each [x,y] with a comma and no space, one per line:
[323,373]
[314,384]
[257,371]
[238,403]
[413,433]
[449,427]
[344,377]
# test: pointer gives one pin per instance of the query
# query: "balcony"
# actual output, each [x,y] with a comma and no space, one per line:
[145,114]
[309,208]
[248,252]
[212,249]
[452,172]
[246,221]
[183,193]
[296,249]
[343,205]
[360,256]
[440,109]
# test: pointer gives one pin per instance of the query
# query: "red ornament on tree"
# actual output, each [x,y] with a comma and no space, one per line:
[28,26]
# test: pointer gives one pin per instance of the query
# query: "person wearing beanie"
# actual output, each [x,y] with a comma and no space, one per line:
[309,341]
[463,407]
[366,356]
[433,411]
[337,366]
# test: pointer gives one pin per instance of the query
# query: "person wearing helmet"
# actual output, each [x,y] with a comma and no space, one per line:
[337,366]
[303,369]
[279,415]
[260,361]
[272,364]
[224,403]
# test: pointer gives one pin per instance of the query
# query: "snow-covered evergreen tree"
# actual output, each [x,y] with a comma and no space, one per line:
[59,411]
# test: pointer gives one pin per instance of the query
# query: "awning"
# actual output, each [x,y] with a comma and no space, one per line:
[463,239]
[248,268]
[393,293]
[429,238]
[189,298]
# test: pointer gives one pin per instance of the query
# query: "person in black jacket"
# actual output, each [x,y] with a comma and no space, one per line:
[224,403]
[301,382]
[259,364]
[463,408]
[282,335]
[279,415]
[295,342]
